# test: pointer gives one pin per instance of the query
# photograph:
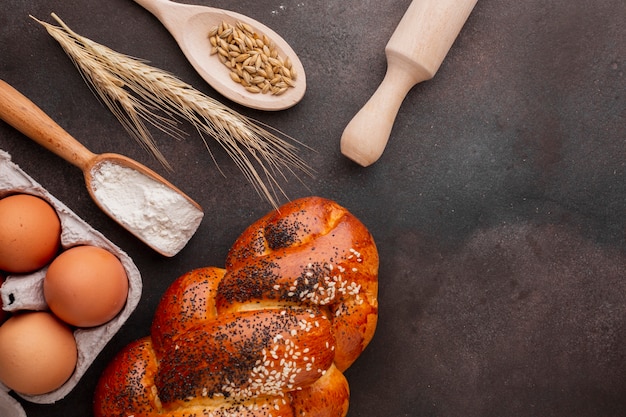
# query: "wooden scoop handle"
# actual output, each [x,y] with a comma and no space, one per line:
[21,113]
[414,53]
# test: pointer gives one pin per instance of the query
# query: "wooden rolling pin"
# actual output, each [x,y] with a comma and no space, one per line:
[414,54]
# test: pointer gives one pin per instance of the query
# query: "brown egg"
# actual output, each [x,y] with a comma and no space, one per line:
[30,232]
[38,353]
[86,286]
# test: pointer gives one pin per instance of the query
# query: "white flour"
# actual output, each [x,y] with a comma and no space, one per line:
[156,214]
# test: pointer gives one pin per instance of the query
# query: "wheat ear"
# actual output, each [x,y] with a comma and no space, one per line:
[136,92]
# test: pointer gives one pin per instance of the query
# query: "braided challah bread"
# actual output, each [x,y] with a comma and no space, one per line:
[269,335]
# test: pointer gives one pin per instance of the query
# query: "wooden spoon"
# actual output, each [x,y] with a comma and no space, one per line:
[25,116]
[190,26]
[414,54]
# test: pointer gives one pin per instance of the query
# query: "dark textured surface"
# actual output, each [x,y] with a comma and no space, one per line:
[499,205]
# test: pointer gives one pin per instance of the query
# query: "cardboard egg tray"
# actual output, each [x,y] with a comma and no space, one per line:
[25,292]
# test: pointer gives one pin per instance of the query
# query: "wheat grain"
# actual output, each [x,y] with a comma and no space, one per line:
[137,92]
[256,53]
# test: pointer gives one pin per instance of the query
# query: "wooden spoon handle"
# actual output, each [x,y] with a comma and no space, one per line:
[153,6]
[414,54]
[25,116]
[171,14]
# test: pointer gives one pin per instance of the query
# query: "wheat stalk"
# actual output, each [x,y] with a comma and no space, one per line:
[136,92]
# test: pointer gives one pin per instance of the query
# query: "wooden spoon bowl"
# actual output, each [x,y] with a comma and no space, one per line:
[190,26]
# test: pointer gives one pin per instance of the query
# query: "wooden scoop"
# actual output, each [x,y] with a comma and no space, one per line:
[25,116]
[414,54]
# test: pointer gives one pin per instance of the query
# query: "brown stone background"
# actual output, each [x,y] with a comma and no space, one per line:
[499,205]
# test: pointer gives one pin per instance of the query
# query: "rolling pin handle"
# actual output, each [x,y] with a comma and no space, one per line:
[365,137]
[414,53]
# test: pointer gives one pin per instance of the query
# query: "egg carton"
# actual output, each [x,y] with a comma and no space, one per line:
[25,292]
